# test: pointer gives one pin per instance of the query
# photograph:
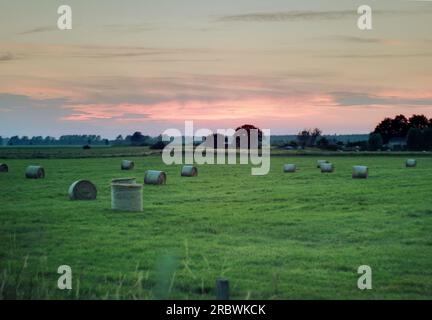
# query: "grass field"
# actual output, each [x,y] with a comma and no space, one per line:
[280,236]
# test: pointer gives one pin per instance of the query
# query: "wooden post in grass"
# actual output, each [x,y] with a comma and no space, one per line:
[222,289]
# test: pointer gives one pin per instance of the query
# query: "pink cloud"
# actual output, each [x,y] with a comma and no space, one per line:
[221,102]
[295,112]
[254,108]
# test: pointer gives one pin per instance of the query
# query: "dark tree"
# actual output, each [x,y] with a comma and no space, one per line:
[37,141]
[137,139]
[419,122]
[393,128]
[49,140]
[14,141]
[427,138]
[316,133]
[219,141]
[375,142]
[308,137]
[384,128]
[245,132]
[159,145]
[323,143]
[415,139]
[400,126]
[303,138]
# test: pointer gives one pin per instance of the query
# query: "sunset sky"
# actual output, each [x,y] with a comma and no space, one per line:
[150,65]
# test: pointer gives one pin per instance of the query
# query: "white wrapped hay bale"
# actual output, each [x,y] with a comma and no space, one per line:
[289,168]
[320,162]
[327,168]
[35,172]
[360,172]
[124,180]
[155,177]
[4,167]
[127,165]
[126,197]
[189,171]
[82,190]
[411,163]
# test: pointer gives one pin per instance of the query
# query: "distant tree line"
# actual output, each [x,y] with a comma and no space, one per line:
[309,138]
[415,132]
[48,141]
[135,139]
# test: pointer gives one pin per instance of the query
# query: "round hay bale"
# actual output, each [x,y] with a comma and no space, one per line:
[288,168]
[189,171]
[155,177]
[360,172]
[320,162]
[4,167]
[127,165]
[411,163]
[327,167]
[124,181]
[126,197]
[82,190]
[35,172]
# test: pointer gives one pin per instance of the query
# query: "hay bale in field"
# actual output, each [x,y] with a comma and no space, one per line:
[124,181]
[35,172]
[127,165]
[320,162]
[327,167]
[126,197]
[189,171]
[288,168]
[155,177]
[82,190]
[4,167]
[411,163]
[360,172]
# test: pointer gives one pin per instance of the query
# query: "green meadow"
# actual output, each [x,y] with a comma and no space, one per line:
[281,236]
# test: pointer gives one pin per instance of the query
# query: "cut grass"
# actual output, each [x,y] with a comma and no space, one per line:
[297,236]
